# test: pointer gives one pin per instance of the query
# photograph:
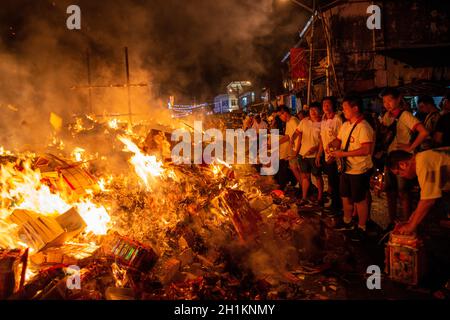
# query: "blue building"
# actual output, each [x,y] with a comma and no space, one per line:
[225,103]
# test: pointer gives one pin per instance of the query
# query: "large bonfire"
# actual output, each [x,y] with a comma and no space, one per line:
[140,221]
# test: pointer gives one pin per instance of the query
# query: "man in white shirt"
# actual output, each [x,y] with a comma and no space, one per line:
[407,124]
[355,139]
[285,142]
[329,129]
[308,133]
[258,124]
[248,122]
[432,169]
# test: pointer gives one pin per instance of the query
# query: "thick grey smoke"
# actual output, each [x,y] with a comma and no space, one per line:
[186,48]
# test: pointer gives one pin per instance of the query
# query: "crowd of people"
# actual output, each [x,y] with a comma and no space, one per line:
[347,144]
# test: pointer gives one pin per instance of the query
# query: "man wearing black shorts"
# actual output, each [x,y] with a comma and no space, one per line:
[308,132]
[355,139]
[329,129]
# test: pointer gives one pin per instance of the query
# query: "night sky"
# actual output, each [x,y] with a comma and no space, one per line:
[187,48]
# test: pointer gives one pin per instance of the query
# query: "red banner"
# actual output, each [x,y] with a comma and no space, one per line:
[299,64]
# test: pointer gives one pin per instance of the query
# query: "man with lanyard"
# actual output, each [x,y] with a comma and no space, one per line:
[356,140]
[329,129]
[406,125]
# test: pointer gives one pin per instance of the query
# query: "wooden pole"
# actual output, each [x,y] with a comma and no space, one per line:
[128,85]
[311,54]
[330,52]
[127,69]
[88,64]
[327,72]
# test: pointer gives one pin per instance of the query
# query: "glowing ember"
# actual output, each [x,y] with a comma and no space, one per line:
[56,143]
[113,124]
[104,183]
[77,154]
[217,166]
[223,163]
[30,273]
[96,217]
[8,236]
[146,167]
[216,169]
[4,152]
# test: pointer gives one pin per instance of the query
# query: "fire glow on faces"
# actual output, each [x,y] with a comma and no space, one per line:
[349,111]
[314,114]
[405,169]
[391,103]
[327,106]
[283,116]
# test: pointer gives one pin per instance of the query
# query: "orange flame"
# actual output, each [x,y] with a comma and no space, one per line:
[146,167]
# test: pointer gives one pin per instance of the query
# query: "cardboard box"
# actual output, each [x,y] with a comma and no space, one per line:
[41,232]
[405,259]
[131,254]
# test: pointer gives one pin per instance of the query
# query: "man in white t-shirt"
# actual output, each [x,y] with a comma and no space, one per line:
[432,169]
[259,124]
[308,133]
[407,125]
[355,139]
[248,122]
[285,142]
[329,129]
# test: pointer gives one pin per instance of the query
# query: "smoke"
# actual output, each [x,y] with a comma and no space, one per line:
[183,48]
[41,62]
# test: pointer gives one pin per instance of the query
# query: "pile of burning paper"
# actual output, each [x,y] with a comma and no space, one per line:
[158,230]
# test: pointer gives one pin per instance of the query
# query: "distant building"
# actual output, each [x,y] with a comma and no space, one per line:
[255,100]
[243,96]
[247,99]
[291,101]
[225,103]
